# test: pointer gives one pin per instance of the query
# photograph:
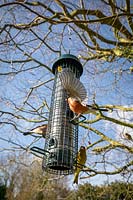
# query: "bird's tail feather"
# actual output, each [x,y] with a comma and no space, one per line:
[72,85]
[76,178]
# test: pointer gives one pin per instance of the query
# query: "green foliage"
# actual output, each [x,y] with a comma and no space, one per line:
[113,191]
[120,190]
[2,191]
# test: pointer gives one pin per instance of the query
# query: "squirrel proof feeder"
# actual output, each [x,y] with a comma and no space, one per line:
[61,144]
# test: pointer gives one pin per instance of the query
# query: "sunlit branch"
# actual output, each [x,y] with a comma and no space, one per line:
[125,109]
[114,143]
[116,121]
[91,121]
[93,144]
[117,171]
[102,149]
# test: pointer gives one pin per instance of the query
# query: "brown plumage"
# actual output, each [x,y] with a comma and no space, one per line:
[41,130]
[77,107]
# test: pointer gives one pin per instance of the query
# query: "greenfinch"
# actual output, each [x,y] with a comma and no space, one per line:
[81,159]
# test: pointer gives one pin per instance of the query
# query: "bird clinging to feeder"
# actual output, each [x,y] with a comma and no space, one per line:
[77,107]
[41,130]
[77,95]
[80,162]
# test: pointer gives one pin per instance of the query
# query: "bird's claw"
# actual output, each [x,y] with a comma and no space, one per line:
[73,122]
[77,122]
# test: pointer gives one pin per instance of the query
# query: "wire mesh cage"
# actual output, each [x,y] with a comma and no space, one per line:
[62,136]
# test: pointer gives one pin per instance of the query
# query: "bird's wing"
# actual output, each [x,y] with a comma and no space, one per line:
[72,85]
[38,130]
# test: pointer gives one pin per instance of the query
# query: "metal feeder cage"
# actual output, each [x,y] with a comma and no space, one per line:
[61,142]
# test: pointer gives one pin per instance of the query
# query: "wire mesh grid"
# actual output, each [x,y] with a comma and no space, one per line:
[62,136]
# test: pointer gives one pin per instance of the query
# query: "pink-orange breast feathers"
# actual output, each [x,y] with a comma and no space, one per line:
[76,106]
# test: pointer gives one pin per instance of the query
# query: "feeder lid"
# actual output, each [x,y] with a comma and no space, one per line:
[69,58]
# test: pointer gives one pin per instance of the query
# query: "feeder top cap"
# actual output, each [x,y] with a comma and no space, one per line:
[70,59]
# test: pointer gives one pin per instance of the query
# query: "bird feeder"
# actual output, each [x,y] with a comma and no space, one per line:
[61,142]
